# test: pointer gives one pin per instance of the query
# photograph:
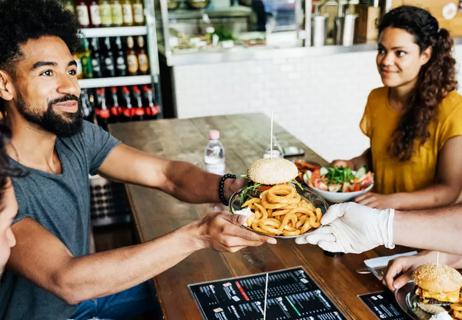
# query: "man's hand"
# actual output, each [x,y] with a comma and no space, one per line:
[399,270]
[233,185]
[352,228]
[223,232]
[379,201]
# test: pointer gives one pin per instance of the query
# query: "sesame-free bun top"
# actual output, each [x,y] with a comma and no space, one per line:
[437,278]
[272,171]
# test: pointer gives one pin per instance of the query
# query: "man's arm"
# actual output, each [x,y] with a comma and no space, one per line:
[433,229]
[183,180]
[44,259]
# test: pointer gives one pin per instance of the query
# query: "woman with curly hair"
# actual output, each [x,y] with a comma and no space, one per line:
[414,121]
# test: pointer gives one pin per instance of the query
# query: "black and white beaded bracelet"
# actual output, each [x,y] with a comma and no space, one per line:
[221,187]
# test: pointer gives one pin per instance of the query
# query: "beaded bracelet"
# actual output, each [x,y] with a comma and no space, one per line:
[221,187]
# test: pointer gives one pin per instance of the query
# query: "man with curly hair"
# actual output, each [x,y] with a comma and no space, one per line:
[51,274]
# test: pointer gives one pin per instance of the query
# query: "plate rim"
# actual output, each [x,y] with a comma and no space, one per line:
[304,189]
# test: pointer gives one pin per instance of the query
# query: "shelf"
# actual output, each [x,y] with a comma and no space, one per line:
[115,82]
[231,12]
[114,32]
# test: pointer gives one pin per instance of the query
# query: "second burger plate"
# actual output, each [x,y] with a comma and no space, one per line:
[235,205]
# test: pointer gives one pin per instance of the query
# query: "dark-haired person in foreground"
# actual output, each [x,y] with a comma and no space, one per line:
[51,274]
[8,204]
[414,122]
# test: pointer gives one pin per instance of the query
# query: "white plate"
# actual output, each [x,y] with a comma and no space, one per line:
[406,299]
[337,197]
[317,201]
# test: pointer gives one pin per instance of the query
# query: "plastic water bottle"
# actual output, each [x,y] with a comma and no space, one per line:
[214,154]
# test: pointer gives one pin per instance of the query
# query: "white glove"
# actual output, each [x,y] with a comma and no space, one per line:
[352,228]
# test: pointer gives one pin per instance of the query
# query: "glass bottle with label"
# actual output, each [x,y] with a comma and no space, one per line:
[108,59]
[127,13]
[69,6]
[106,13]
[132,60]
[95,15]
[83,16]
[116,10]
[96,58]
[85,59]
[119,57]
[143,62]
[138,12]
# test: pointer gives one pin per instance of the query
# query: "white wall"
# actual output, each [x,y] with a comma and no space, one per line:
[319,99]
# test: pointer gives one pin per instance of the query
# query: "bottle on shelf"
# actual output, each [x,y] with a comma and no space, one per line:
[106,13]
[138,12]
[85,59]
[127,13]
[95,14]
[116,12]
[151,107]
[116,109]
[138,104]
[87,108]
[69,5]
[143,61]
[83,16]
[128,111]
[214,154]
[102,112]
[119,57]
[132,59]
[96,58]
[108,65]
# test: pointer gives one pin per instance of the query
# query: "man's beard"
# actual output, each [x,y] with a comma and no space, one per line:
[64,125]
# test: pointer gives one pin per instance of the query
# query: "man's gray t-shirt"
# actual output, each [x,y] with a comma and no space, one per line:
[61,204]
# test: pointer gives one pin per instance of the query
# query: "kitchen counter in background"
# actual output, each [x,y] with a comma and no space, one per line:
[317,94]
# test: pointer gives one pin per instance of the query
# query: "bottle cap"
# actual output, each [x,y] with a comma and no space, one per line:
[214,135]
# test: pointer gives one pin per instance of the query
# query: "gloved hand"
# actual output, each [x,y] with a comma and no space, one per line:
[352,228]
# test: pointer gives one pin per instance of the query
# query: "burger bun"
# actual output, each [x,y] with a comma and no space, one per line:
[437,278]
[272,171]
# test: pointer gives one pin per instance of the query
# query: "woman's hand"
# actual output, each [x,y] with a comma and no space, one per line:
[379,201]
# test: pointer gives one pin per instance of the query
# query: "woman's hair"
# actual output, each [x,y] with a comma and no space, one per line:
[22,20]
[435,80]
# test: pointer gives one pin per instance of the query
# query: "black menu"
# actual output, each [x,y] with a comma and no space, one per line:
[383,305]
[291,294]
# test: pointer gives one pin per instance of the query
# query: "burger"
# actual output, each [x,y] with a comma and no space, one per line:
[265,173]
[438,287]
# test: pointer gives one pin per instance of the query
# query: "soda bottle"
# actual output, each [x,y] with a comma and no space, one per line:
[137,104]
[128,111]
[116,11]
[115,107]
[121,66]
[127,12]
[108,59]
[143,62]
[69,6]
[132,59]
[95,15]
[138,12]
[82,14]
[106,13]
[151,108]
[85,59]
[87,108]
[214,154]
[102,111]
[96,58]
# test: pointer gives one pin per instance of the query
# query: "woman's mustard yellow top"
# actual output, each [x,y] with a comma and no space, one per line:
[379,122]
